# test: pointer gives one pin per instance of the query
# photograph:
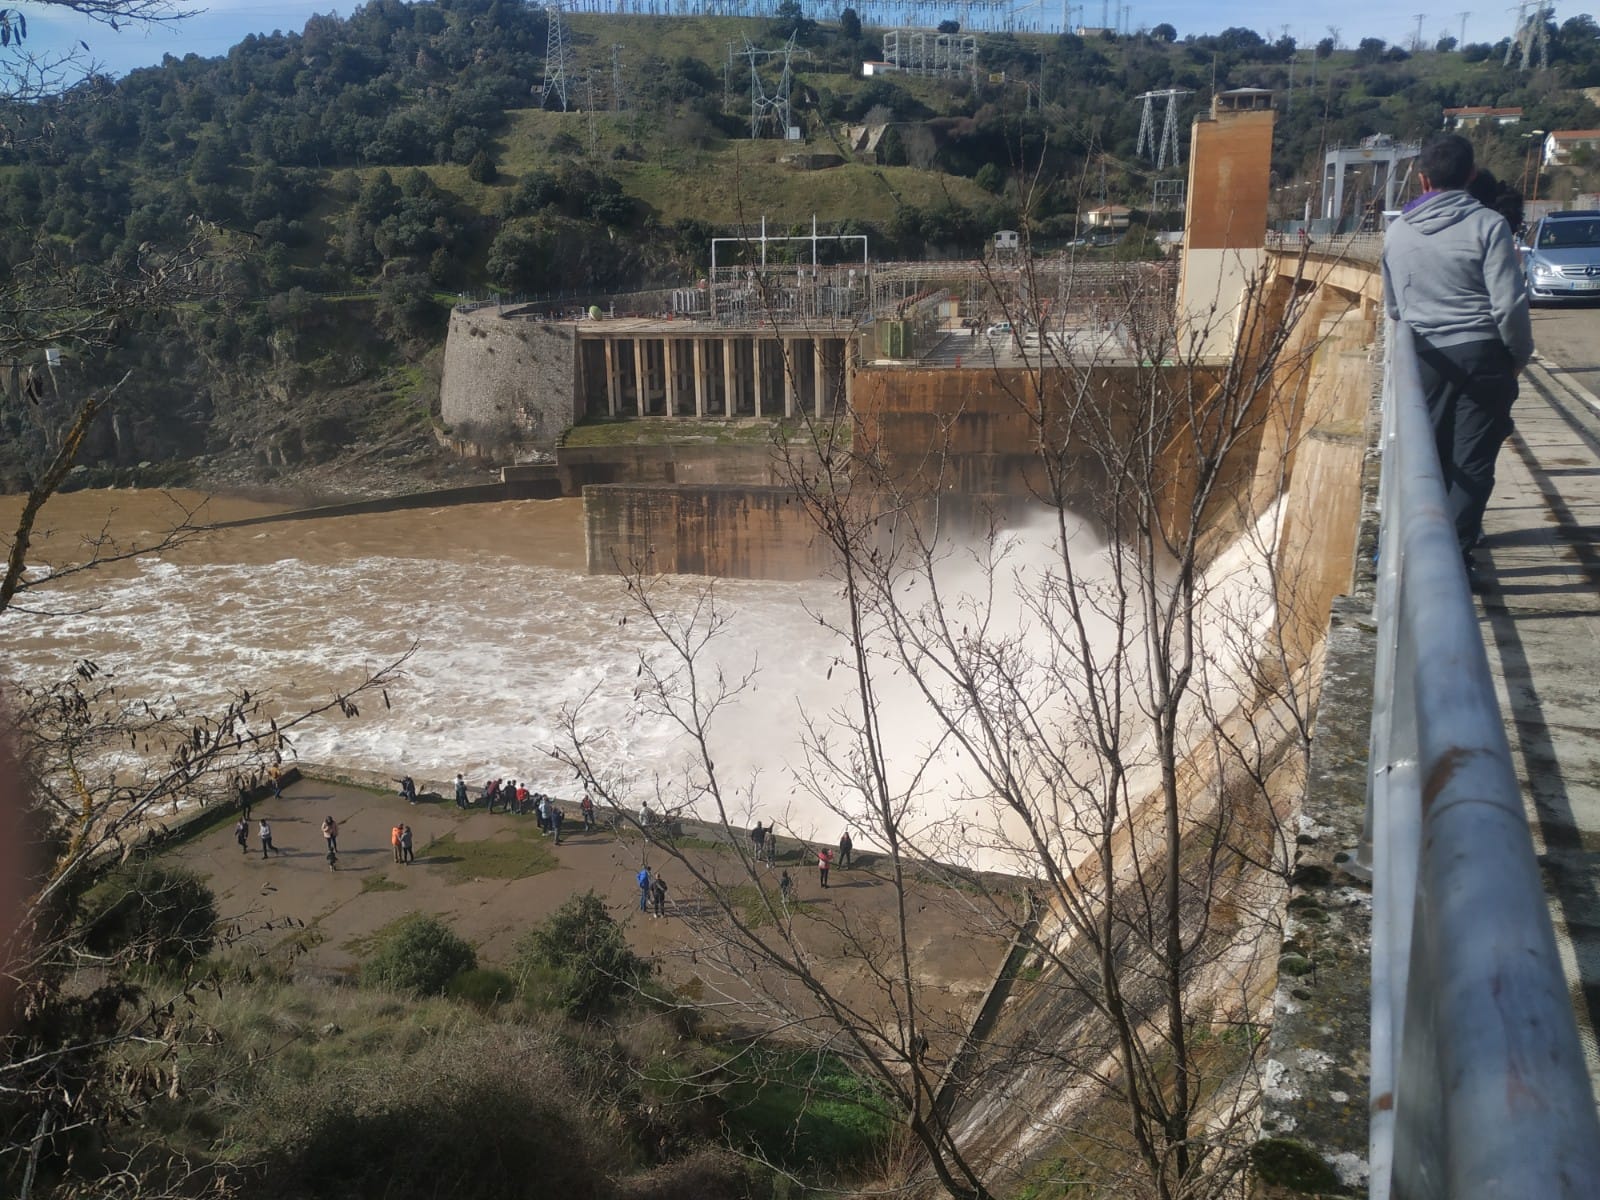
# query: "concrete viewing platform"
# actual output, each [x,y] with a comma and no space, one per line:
[493,876]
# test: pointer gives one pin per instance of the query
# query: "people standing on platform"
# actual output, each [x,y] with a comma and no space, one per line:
[330,833]
[643,880]
[845,846]
[408,789]
[265,833]
[758,840]
[824,859]
[658,894]
[394,842]
[461,790]
[785,886]
[1451,273]
[406,856]
[587,809]
[241,834]
[244,798]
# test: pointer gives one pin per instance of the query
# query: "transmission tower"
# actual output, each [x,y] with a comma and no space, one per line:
[618,100]
[1531,40]
[1462,40]
[1416,38]
[1169,127]
[586,91]
[557,56]
[770,108]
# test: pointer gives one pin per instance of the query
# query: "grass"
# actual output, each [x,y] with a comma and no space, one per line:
[364,945]
[757,904]
[524,853]
[380,883]
[805,1109]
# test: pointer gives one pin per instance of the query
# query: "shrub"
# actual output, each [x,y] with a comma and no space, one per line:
[418,955]
[585,947]
[481,1113]
[482,986]
[156,914]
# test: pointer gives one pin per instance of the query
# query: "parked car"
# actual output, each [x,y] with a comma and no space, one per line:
[998,332]
[1561,258]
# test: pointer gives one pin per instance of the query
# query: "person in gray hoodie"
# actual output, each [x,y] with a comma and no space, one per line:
[1450,272]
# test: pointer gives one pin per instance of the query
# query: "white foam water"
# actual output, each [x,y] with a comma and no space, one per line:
[510,634]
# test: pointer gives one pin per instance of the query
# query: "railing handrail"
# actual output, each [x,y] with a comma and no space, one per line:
[1479,1087]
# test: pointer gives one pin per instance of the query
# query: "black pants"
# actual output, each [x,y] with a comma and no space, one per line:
[1469,390]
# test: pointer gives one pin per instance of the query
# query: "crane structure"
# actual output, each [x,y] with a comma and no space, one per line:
[557,56]
[1169,127]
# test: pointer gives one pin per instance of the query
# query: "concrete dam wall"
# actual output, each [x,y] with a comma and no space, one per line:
[508,380]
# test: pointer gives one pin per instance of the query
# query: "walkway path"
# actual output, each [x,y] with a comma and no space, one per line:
[1541,626]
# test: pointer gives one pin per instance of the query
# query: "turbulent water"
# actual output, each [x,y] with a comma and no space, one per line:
[509,630]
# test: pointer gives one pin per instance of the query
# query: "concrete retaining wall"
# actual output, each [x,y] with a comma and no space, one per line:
[733,532]
[508,380]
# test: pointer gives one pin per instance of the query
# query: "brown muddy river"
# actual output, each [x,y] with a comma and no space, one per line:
[508,627]
[510,633]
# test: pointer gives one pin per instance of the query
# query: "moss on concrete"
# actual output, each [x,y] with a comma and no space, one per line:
[1285,1163]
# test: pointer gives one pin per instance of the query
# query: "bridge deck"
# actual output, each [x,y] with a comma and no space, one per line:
[1540,609]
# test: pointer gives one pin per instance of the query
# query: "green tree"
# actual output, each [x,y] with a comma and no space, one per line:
[420,954]
[156,914]
[482,169]
[585,947]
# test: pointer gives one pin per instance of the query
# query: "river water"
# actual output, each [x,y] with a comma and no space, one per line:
[509,632]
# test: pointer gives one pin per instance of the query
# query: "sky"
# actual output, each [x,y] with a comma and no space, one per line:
[213,28]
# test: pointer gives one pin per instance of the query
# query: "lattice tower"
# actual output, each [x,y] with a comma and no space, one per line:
[1532,39]
[770,108]
[557,56]
[1169,126]
[618,99]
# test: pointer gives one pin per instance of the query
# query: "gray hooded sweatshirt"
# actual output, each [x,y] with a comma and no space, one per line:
[1450,271]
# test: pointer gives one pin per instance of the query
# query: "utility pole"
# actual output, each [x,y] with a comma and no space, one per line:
[1461,41]
[1416,39]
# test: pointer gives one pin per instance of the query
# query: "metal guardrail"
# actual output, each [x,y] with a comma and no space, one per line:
[1479,1087]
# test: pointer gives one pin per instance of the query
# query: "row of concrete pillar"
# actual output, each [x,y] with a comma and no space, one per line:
[719,376]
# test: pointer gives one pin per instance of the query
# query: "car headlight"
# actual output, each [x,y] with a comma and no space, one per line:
[1543,269]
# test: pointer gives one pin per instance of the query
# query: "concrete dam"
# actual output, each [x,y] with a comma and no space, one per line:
[1133,732]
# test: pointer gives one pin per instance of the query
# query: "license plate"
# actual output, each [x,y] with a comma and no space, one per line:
[1584,285]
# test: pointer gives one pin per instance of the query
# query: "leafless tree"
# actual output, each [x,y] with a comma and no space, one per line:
[1070,720]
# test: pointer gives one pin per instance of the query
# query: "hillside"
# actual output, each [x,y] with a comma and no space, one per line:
[409,153]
